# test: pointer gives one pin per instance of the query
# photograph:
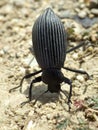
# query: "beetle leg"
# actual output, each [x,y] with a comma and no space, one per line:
[25,77]
[68,81]
[77,71]
[76,47]
[38,79]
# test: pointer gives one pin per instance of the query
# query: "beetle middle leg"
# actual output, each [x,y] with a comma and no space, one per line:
[25,77]
[77,71]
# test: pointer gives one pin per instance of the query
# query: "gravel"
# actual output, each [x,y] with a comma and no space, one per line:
[51,110]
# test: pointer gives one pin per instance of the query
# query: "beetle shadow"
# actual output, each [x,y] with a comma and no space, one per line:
[47,97]
[38,94]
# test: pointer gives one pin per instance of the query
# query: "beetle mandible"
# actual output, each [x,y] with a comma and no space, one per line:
[50,48]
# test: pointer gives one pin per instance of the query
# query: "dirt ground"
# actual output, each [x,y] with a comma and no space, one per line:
[51,110]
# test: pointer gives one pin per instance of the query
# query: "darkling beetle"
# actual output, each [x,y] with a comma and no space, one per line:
[50,44]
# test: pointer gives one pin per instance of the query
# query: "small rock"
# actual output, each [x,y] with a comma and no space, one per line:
[90,49]
[22,70]
[1,18]
[6,49]
[18,3]
[53,105]
[86,37]
[93,4]
[64,14]
[43,117]
[94,37]
[1,53]
[91,15]
[1,60]
[17,55]
[7,9]
[94,11]
[82,6]
[82,14]
[86,10]
[80,53]
[10,76]
[80,78]
[75,56]
[53,121]
[31,113]
[77,10]
[31,125]
[49,116]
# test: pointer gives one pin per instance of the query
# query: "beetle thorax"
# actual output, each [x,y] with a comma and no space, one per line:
[52,76]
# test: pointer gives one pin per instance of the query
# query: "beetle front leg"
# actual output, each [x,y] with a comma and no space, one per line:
[68,81]
[38,79]
[25,77]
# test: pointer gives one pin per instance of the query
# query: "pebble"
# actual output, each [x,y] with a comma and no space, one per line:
[6,49]
[53,121]
[31,113]
[91,15]
[82,14]
[31,125]
[94,11]
[77,10]
[6,9]
[17,55]
[22,70]
[64,14]
[86,10]
[18,3]
[80,78]
[93,4]
[43,117]
[49,116]
[90,49]
[75,56]
[82,6]
[1,60]
[94,37]
[53,105]
[1,53]
[1,18]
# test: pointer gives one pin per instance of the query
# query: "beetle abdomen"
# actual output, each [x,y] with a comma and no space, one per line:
[49,40]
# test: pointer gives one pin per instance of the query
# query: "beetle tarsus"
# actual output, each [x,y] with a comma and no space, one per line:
[13,89]
[69,105]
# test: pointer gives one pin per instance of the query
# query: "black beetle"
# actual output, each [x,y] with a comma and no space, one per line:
[50,44]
